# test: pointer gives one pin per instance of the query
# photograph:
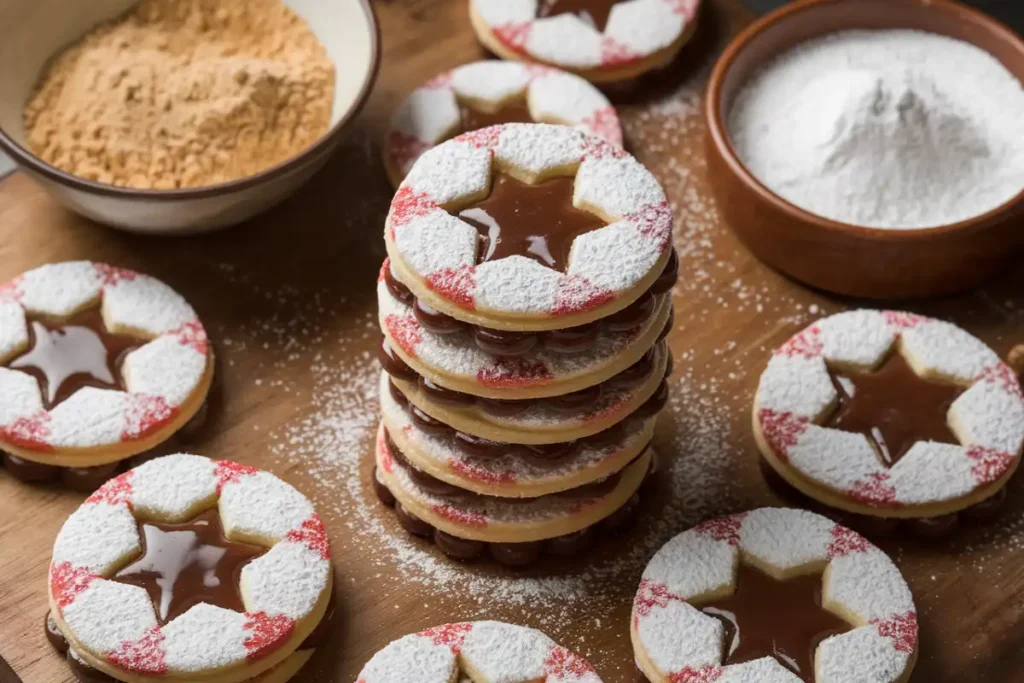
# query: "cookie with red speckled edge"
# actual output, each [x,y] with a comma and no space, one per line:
[98,364]
[890,414]
[510,470]
[609,41]
[484,93]
[617,247]
[478,651]
[474,517]
[129,580]
[454,361]
[773,596]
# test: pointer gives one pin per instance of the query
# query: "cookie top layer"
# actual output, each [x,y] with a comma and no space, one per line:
[634,31]
[116,623]
[796,397]
[431,114]
[159,376]
[490,650]
[684,643]
[437,254]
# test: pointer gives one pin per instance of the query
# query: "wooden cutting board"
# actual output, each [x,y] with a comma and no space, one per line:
[289,300]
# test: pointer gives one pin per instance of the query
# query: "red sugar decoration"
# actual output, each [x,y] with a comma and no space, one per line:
[268,633]
[901,629]
[807,344]
[405,148]
[509,372]
[705,674]
[875,491]
[67,582]
[460,516]
[454,285]
[614,53]
[577,294]
[29,432]
[116,491]
[562,664]
[1004,376]
[384,269]
[450,635]
[989,463]
[782,429]
[193,334]
[484,138]
[599,148]
[10,291]
[902,319]
[651,594]
[405,331]
[111,275]
[407,205]
[654,223]
[387,461]
[146,414]
[439,81]
[145,655]
[535,70]
[846,542]
[228,472]
[687,8]
[313,535]
[605,123]
[471,470]
[513,35]
[723,528]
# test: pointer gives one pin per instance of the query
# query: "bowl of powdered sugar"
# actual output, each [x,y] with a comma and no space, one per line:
[873,147]
[179,116]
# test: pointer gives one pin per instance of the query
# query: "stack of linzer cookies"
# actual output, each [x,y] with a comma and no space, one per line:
[524,304]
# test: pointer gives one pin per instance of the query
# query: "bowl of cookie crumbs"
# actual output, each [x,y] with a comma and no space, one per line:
[180,116]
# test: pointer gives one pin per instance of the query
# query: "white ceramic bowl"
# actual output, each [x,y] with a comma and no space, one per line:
[32,31]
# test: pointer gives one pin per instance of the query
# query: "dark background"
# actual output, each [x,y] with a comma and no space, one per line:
[1009,11]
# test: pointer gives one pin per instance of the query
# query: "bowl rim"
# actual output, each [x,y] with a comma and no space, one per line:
[719,135]
[23,157]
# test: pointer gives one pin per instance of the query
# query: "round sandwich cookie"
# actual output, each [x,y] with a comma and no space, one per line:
[891,415]
[97,364]
[493,468]
[465,524]
[602,40]
[530,227]
[773,596]
[488,93]
[477,651]
[639,389]
[190,569]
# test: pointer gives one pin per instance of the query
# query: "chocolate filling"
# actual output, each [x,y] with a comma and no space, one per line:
[593,12]
[513,111]
[584,400]
[568,340]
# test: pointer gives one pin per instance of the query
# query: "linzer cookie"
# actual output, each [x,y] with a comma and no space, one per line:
[189,569]
[477,651]
[487,93]
[773,596]
[602,40]
[528,227]
[98,364]
[890,414]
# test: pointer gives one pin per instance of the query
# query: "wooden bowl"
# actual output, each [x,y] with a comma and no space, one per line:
[32,31]
[838,257]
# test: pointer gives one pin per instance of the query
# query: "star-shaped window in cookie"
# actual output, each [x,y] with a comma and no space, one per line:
[538,221]
[474,115]
[768,617]
[72,354]
[187,563]
[593,12]
[893,406]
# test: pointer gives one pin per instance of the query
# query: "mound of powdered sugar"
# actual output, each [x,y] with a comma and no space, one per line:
[888,129]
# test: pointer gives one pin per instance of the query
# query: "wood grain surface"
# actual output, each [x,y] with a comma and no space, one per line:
[289,300]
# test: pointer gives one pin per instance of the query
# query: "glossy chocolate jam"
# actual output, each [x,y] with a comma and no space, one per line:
[593,12]
[766,617]
[894,407]
[512,554]
[568,340]
[184,564]
[584,400]
[72,355]
[512,111]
